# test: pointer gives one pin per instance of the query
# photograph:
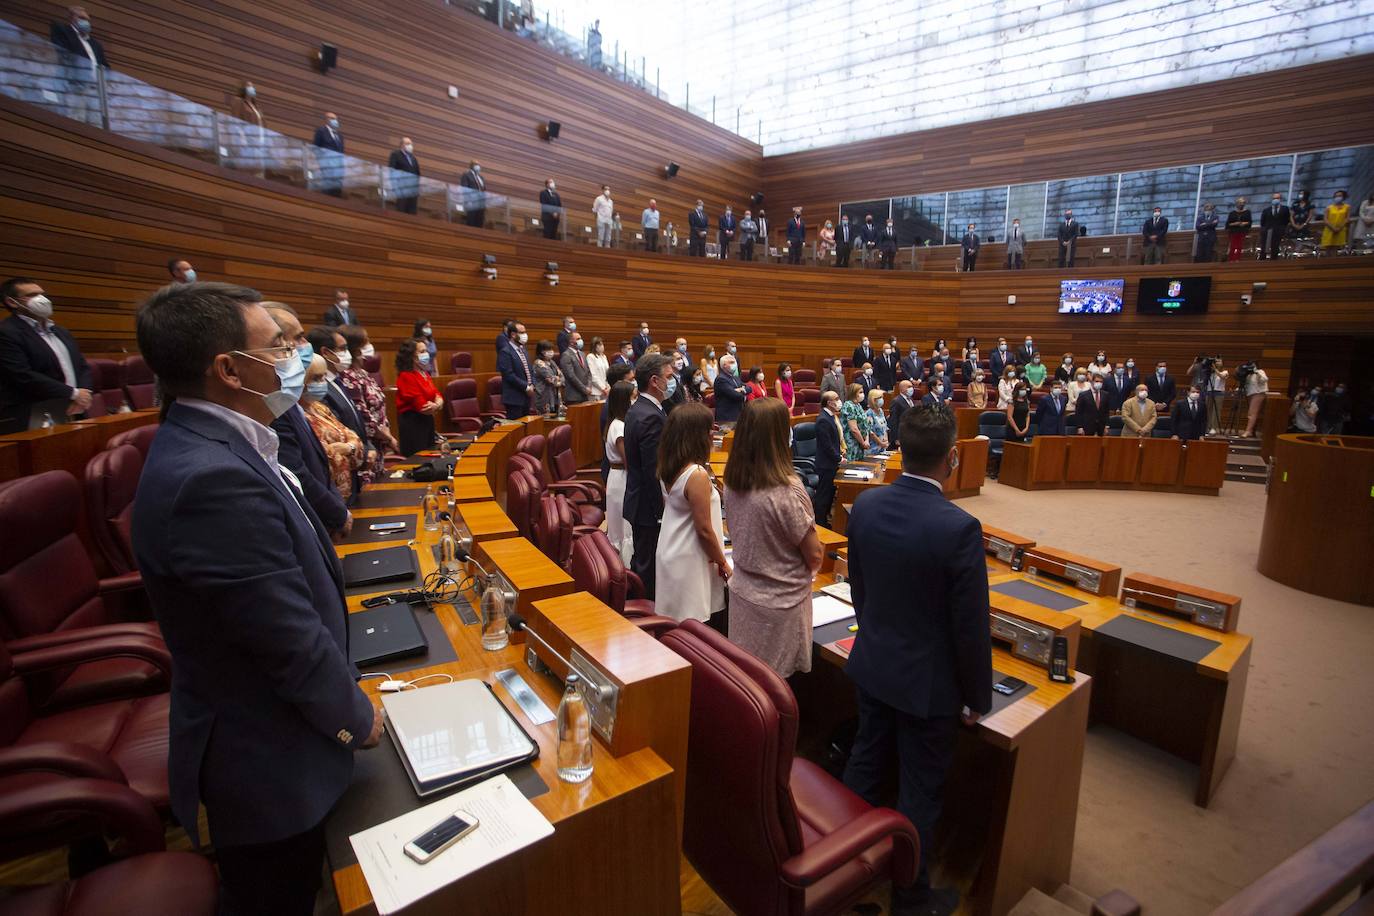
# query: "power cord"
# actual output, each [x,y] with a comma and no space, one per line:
[392,685]
[437,588]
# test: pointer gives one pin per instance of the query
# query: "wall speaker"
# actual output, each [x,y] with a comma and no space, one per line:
[757,199]
[551,129]
[671,169]
[328,57]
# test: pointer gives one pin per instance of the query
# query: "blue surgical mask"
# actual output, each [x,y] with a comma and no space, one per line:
[291,375]
[423,355]
[334,123]
[306,352]
[83,26]
[672,386]
[191,275]
[318,390]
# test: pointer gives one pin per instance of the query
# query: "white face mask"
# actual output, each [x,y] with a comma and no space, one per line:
[524,338]
[343,303]
[368,350]
[39,306]
[345,359]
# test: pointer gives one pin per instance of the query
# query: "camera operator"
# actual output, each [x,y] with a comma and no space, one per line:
[1254,385]
[1303,414]
[1210,378]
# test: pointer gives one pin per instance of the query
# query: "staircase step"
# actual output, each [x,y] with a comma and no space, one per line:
[1038,903]
[1074,898]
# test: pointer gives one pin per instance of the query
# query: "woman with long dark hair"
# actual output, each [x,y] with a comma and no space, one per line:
[617,406]
[690,568]
[417,401]
[426,350]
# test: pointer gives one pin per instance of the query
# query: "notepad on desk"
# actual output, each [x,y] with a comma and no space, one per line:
[507,822]
[839,590]
[855,474]
[825,609]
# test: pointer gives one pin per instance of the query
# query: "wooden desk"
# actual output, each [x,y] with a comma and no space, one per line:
[587,445]
[1319,520]
[1116,463]
[1191,709]
[1120,459]
[485,521]
[9,460]
[967,480]
[59,448]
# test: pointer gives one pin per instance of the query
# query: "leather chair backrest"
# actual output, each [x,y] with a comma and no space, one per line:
[533,466]
[1164,428]
[804,440]
[140,437]
[741,822]
[47,581]
[460,361]
[111,484]
[596,567]
[494,404]
[553,528]
[1115,424]
[522,494]
[535,445]
[105,382]
[137,380]
[15,709]
[804,377]
[372,365]
[990,420]
[460,395]
[561,459]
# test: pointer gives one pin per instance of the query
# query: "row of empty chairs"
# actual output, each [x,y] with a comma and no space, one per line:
[115,384]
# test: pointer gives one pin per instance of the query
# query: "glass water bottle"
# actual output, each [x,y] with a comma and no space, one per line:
[574,734]
[430,503]
[495,624]
[448,554]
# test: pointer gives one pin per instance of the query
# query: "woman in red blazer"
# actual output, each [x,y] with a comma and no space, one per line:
[755,385]
[417,402]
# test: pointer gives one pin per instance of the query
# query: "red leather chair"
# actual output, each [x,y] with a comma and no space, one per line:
[769,833]
[597,569]
[140,437]
[563,464]
[372,365]
[804,378]
[50,595]
[137,380]
[522,499]
[494,406]
[655,625]
[808,402]
[460,363]
[106,394]
[460,400]
[556,528]
[111,484]
[529,451]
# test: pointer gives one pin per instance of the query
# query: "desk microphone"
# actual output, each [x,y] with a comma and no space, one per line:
[518,623]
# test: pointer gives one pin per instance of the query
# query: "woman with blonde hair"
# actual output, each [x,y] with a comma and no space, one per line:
[776,550]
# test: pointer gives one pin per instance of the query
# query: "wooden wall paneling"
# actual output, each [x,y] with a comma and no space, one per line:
[1211,122]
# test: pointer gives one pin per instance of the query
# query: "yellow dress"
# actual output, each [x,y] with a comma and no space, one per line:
[1337,225]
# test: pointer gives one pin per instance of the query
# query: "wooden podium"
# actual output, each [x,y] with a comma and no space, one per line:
[1115,463]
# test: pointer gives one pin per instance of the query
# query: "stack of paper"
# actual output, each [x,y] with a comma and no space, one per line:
[825,609]
[858,475]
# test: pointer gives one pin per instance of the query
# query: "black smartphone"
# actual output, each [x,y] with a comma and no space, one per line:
[1009,685]
[441,836]
[1059,660]
[1018,559]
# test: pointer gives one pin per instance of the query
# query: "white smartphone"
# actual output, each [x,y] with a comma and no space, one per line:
[387,526]
[441,836]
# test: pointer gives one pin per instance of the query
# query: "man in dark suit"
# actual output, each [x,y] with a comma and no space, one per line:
[698,224]
[643,493]
[475,197]
[1091,411]
[796,236]
[922,661]
[341,312]
[939,375]
[1155,233]
[763,231]
[1160,385]
[405,186]
[1026,352]
[517,378]
[725,233]
[1068,239]
[640,342]
[1274,221]
[1117,387]
[904,401]
[625,356]
[868,236]
[731,391]
[1000,359]
[887,246]
[266,711]
[298,448]
[912,365]
[74,36]
[1016,246]
[885,368]
[844,242]
[829,454]
[1049,413]
[550,209]
[577,377]
[329,148]
[1188,418]
[969,246]
[41,367]
[863,353]
[564,338]
[863,377]
[938,392]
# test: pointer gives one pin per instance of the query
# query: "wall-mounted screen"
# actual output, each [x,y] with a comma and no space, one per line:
[1091,297]
[1173,295]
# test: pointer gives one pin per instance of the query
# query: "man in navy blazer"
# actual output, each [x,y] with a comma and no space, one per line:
[643,493]
[923,658]
[796,236]
[329,148]
[32,376]
[829,453]
[1049,413]
[731,391]
[640,342]
[517,378]
[725,233]
[265,709]
[1188,418]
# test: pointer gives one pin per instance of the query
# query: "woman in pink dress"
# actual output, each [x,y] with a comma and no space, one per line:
[783,385]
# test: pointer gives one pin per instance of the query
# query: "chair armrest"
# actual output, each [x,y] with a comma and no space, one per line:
[127,582]
[153,651]
[593,480]
[63,758]
[573,489]
[634,586]
[494,414]
[836,849]
[655,624]
[122,811]
[138,630]
[466,424]
[581,530]
[637,609]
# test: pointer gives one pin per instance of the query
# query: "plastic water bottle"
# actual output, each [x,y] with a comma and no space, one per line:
[445,449]
[48,421]
[430,503]
[495,624]
[574,734]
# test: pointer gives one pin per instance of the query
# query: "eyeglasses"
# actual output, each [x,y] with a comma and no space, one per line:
[272,354]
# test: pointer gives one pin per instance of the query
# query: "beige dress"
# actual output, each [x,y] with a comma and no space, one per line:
[770,590]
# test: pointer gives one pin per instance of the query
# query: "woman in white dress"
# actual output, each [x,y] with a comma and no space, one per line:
[690,568]
[597,364]
[710,367]
[616,408]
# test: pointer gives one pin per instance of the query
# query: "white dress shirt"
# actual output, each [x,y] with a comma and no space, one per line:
[59,349]
[262,439]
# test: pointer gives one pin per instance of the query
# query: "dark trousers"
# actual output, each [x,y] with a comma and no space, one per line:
[651,240]
[825,496]
[889,255]
[551,221]
[476,218]
[516,410]
[1206,249]
[1269,243]
[970,259]
[696,245]
[842,252]
[921,749]
[794,250]
[415,431]
[746,250]
[646,550]
[1066,254]
[406,204]
[1015,261]
[272,879]
[724,243]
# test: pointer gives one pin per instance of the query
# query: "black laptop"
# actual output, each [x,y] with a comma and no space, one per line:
[384,633]
[385,564]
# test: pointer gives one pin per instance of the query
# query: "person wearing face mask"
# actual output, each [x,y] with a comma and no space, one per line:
[329,149]
[854,420]
[1131,374]
[1155,234]
[625,355]
[976,391]
[1364,226]
[417,401]
[1006,386]
[796,236]
[246,106]
[868,237]
[710,368]
[1116,387]
[1205,235]
[551,211]
[938,392]
[679,381]
[969,246]
[690,561]
[329,345]
[1092,411]
[756,387]
[885,368]
[782,386]
[698,225]
[904,401]
[1188,418]
[1035,372]
[1026,352]
[680,348]
[1160,385]
[640,342]
[1100,367]
[1139,414]
[865,378]
[830,451]
[1051,411]
[1018,413]
[368,398]
[912,367]
[863,353]
[725,232]
[748,233]
[82,63]
[1336,223]
[825,241]
[345,451]
[877,423]
[833,379]
[1238,224]
[1274,220]
[577,375]
[1064,371]
[1016,246]
[475,197]
[597,367]
[1302,416]
[1001,358]
[405,176]
[644,424]
[844,242]
[939,372]
[887,246]
[426,350]
[517,376]
[1068,239]
[548,379]
[565,333]
[341,312]
[731,391]
[74,36]
[1333,410]
[245,587]
[1300,225]
[298,450]
[1076,388]
[181,270]
[42,371]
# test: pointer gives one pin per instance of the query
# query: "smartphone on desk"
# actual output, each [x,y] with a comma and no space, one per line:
[441,836]
[1009,685]
[387,526]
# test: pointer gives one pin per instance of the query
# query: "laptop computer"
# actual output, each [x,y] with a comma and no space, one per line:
[384,633]
[385,564]
[450,734]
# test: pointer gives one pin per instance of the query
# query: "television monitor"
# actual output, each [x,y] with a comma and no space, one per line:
[1173,295]
[1091,297]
